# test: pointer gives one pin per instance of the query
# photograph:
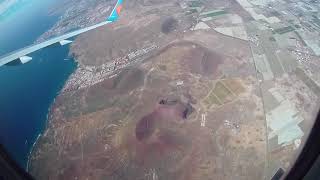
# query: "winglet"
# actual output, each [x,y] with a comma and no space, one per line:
[115,12]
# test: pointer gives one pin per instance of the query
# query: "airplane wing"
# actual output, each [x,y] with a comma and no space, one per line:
[21,56]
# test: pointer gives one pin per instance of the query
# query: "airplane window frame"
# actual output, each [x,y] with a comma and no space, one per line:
[303,166]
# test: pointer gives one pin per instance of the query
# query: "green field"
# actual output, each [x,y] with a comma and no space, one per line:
[195,3]
[221,92]
[213,13]
[284,30]
[212,100]
[234,85]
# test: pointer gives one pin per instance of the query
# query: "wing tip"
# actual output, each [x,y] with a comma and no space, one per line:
[114,16]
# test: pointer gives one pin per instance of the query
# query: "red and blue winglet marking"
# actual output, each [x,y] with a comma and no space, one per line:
[115,12]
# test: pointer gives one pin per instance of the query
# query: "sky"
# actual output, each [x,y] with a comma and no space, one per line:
[9,7]
[6,4]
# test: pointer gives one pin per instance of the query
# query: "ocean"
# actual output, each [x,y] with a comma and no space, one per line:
[27,91]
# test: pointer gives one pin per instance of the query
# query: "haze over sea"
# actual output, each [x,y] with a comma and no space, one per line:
[27,91]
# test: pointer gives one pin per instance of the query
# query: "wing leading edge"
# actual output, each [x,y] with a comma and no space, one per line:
[20,56]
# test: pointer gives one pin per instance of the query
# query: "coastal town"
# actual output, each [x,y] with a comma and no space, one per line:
[86,76]
[245,70]
[77,14]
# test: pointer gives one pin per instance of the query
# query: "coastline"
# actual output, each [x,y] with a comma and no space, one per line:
[51,78]
[72,82]
[41,133]
[31,150]
[50,111]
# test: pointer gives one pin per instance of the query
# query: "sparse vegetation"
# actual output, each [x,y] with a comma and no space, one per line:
[222,92]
